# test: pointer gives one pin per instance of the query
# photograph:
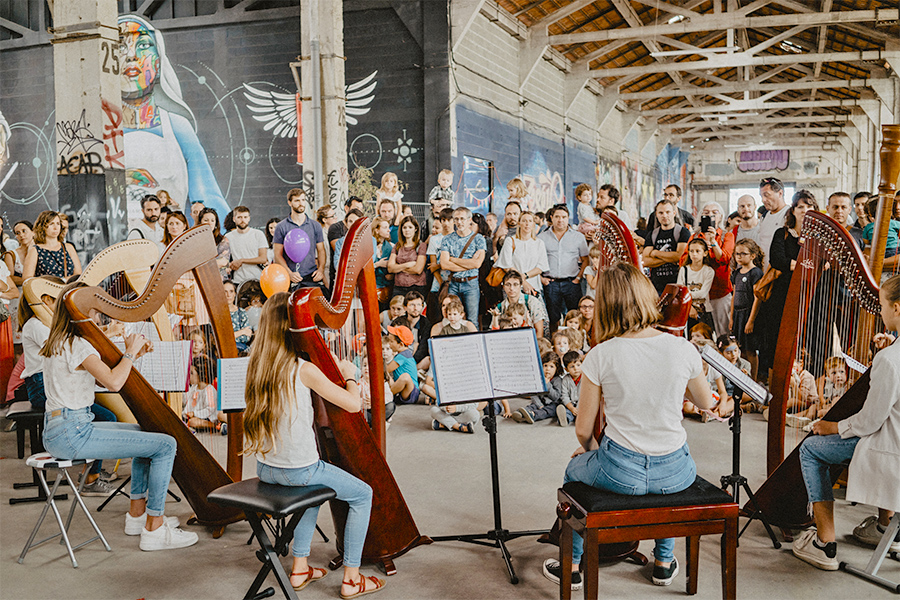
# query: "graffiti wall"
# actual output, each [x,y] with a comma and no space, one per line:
[210,114]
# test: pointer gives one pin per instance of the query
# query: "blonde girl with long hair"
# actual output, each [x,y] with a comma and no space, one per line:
[72,368]
[644,449]
[278,429]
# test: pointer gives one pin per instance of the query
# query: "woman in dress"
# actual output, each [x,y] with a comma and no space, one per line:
[526,254]
[50,255]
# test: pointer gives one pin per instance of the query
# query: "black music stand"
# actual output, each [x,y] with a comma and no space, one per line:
[736,481]
[456,356]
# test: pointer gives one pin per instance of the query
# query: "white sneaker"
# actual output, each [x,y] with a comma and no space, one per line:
[135,525]
[867,533]
[805,549]
[796,421]
[561,417]
[166,537]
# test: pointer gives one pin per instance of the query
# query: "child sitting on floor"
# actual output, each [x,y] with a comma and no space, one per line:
[395,309]
[562,343]
[803,393]
[566,412]
[558,392]
[724,404]
[455,312]
[729,348]
[832,386]
[201,404]
[402,366]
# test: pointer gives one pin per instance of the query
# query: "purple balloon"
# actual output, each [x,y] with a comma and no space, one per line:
[296,245]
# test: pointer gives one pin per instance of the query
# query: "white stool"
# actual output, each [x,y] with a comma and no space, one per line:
[44,461]
[881,552]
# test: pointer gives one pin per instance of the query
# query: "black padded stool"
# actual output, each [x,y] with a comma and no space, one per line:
[258,499]
[31,421]
[604,517]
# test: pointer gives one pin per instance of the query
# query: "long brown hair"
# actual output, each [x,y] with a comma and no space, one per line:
[402,239]
[40,226]
[62,328]
[178,216]
[270,377]
[626,302]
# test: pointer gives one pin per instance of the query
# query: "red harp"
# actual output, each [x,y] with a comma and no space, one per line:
[832,314]
[345,439]
[196,471]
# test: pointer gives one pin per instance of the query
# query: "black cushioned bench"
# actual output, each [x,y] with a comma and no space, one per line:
[604,517]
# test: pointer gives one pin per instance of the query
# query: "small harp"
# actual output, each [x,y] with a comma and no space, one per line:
[832,310]
[345,439]
[196,471]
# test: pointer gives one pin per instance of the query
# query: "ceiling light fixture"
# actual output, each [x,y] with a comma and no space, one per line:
[700,51]
[675,19]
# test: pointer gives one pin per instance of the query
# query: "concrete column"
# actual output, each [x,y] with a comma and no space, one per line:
[89,138]
[436,52]
[324,118]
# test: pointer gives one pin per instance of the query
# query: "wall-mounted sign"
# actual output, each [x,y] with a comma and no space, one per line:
[763,160]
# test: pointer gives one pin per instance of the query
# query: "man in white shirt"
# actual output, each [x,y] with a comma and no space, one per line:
[771,191]
[148,228]
[248,247]
[748,228]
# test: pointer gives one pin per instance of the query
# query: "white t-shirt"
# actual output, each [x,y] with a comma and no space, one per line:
[527,255]
[246,245]
[643,382]
[141,230]
[767,228]
[64,384]
[699,282]
[34,334]
[295,442]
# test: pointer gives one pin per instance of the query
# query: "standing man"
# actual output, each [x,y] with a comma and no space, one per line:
[665,245]
[148,228]
[462,253]
[509,225]
[336,229]
[749,225]
[672,194]
[838,208]
[310,271]
[608,195]
[567,255]
[248,248]
[771,190]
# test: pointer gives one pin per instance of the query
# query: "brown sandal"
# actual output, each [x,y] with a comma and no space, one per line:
[379,583]
[310,576]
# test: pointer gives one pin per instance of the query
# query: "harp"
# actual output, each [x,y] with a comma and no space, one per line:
[196,471]
[319,329]
[615,242]
[832,311]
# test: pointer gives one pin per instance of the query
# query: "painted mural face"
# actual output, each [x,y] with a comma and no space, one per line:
[141,69]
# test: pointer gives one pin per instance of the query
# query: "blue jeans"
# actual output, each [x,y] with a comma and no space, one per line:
[356,493]
[561,296]
[613,468]
[72,433]
[817,454]
[470,296]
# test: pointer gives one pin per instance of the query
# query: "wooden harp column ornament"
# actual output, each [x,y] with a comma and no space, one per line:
[345,439]
[832,285]
[196,472]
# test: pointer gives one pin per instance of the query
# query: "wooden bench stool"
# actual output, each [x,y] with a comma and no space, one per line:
[258,499]
[43,462]
[605,517]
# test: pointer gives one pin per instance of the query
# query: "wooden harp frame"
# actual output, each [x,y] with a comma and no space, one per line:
[195,471]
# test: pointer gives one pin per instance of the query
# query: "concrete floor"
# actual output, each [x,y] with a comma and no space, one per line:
[445,478]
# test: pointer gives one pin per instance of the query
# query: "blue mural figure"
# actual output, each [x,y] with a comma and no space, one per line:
[162,151]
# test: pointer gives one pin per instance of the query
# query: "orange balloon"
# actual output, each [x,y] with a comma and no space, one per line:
[274,279]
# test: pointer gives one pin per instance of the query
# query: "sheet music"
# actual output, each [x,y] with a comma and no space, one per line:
[514,363]
[232,382]
[737,377]
[168,367]
[460,369]
[854,364]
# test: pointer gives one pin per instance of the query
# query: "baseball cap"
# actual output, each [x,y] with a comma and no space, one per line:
[402,332]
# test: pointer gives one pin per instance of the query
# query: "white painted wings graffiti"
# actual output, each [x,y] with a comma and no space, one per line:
[278,110]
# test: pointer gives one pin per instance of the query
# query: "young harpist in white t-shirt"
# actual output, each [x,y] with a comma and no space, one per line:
[644,449]
[72,367]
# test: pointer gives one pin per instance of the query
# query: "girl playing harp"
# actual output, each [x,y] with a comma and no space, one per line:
[71,368]
[278,429]
[869,440]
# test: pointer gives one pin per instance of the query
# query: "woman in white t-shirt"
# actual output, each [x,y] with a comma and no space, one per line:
[72,368]
[526,254]
[278,429]
[644,449]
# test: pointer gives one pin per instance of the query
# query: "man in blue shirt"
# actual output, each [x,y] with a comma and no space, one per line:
[567,255]
[310,271]
[462,255]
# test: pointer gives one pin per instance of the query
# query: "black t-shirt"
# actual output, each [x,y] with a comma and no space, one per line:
[665,241]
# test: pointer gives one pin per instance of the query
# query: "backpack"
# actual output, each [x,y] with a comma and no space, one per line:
[676,233]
